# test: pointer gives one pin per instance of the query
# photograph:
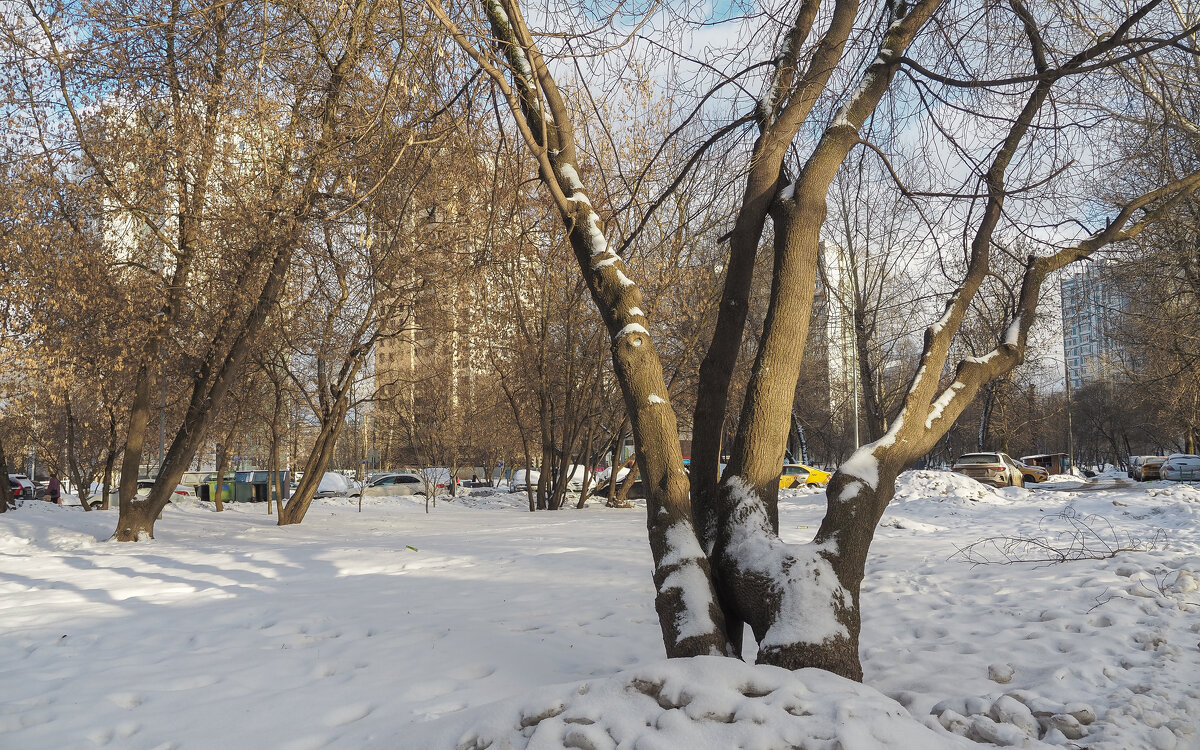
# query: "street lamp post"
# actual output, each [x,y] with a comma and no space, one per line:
[1070,426]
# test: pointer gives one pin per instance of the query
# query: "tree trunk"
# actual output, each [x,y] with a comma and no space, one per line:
[621,499]
[622,431]
[110,459]
[516,411]
[131,462]
[6,494]
[82,484]
[530,490]
[218,493]
[273,482]
[872,381]
[544,484]
[318,460]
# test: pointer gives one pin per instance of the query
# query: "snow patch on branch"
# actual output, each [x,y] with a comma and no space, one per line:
[636,311]
[607,260]
[984,359]
[656,399]
[570,177]
[937,327]
[808,589]
[939,406]
[868,80]
[631,328]
[1012,334]
[595,237]
[862,464]
[522,62]
[889,437]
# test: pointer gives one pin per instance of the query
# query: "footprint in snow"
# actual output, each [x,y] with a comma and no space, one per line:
[126,700]
[344,715]
[473,672]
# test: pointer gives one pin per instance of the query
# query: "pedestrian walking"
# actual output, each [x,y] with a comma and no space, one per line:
[54,489]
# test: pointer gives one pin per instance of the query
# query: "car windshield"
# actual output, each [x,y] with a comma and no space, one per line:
[979,458]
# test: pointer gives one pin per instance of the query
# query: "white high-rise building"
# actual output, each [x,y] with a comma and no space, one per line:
[840,351]
[1090,306]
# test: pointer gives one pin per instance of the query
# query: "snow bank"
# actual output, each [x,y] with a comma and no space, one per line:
[705,703]
[944,486]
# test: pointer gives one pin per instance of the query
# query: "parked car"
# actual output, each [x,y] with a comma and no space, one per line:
[439,475]
[1181,467]
[22,486]
[333,484]
[1032,473]
[393,484]
[197,478]
[997,469]
[575,477]
[181,491]
[1148,468]
[797,475]
[1134,463]
[522,483]
[622,471]
[191,481]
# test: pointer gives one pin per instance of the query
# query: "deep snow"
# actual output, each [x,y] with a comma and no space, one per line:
[483,625]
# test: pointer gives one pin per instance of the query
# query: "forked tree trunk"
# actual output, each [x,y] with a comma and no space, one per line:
[801,601]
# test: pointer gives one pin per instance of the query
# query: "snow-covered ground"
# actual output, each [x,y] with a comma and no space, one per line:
[482,625]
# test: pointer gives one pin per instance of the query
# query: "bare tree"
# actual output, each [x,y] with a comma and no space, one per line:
[801,601]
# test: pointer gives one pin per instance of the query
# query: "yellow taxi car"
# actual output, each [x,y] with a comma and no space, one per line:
[795,475]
